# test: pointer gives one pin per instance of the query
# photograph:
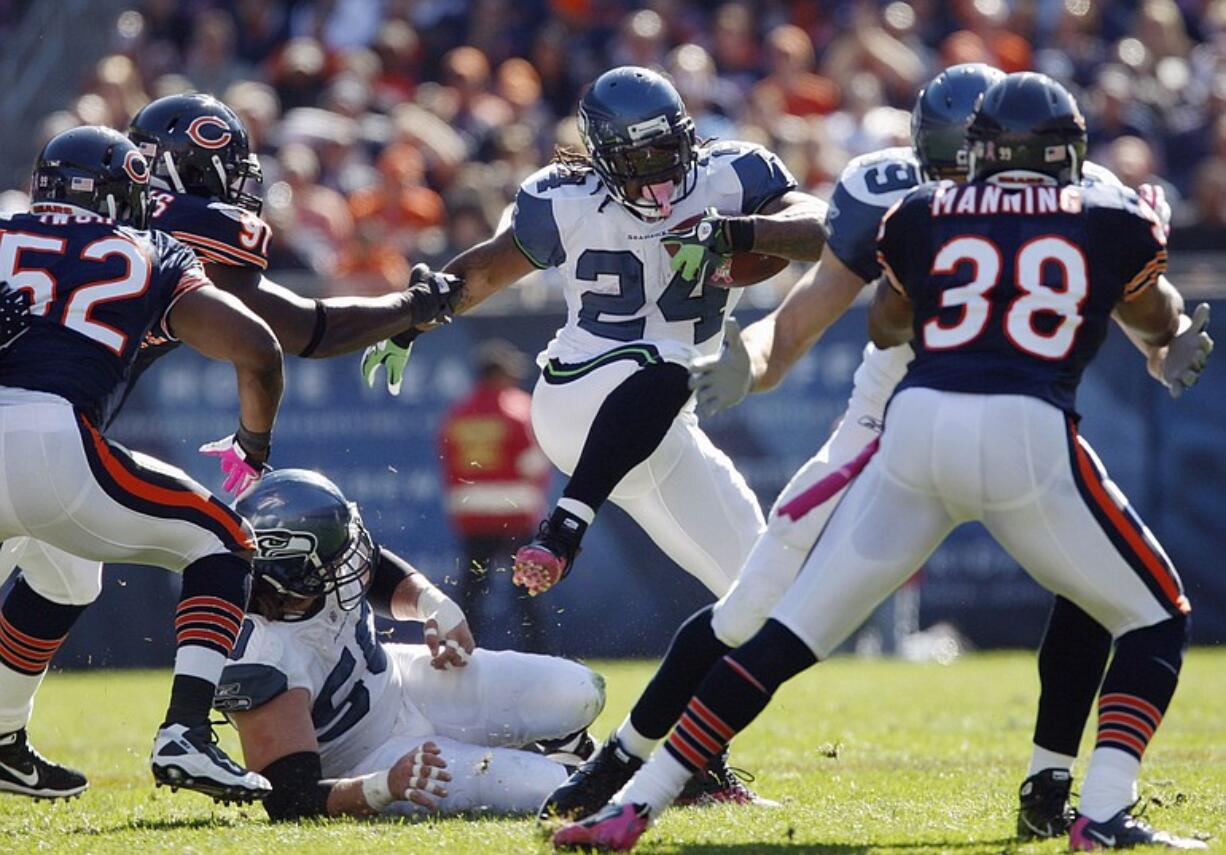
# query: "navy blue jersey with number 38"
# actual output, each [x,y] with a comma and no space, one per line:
[1013,287]
[96,289]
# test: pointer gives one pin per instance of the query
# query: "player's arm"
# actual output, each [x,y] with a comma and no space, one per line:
[334,325]
[398,591]
[790,226]
[890,313]
[487,268]
[889,316]
[219,326]
[278,740]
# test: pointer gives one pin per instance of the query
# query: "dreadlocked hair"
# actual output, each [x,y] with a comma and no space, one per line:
[567,157]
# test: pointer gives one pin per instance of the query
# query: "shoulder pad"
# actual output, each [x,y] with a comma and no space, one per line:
[867,188]
[558,181]
[880,177]
[747,170]
[1096,173]
[220,233]
[245,687]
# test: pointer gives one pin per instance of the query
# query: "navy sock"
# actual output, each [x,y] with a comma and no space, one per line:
[693,652]
[32,628]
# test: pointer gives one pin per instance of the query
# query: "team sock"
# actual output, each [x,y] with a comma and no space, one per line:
[1136,692]
[732,694]
[207,621]
[1072,659]
[692,653]
[32,628]
[629,426]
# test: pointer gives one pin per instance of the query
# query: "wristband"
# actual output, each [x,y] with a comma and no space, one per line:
[740,232]
[254,444]
[433,603]
[377,790]
[406,338]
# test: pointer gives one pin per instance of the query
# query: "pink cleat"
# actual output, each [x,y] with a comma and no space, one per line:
[1123,831]
[538,568]
[614,828]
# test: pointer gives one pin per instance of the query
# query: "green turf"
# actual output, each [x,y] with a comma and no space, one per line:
[866,756]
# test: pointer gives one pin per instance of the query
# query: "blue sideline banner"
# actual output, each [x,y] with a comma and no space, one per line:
[624,597]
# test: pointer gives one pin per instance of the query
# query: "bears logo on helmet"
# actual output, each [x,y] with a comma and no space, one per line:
[136,166]
[219,137]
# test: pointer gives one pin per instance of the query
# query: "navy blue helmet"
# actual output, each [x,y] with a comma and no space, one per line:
[310,542]
[639,136]
[198,145]
[942,112]
[96,169]
[1028,122]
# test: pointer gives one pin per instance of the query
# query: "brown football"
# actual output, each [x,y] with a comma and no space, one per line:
[742,269]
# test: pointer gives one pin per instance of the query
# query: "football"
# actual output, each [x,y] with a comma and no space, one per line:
[739,270]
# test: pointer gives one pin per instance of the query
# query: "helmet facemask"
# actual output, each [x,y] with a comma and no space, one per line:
[650,174]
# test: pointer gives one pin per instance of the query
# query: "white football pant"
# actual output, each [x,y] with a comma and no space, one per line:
[1013,463]
[478,716]
[687,495]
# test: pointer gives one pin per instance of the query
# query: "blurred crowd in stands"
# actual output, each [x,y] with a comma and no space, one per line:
[392,131]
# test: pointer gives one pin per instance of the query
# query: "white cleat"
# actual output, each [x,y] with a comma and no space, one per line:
[189,757]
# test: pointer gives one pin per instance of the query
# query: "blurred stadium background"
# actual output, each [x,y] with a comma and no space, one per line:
[392,131]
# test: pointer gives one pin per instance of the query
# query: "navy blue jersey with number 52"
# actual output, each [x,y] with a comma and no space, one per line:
[1012,287]
[96,289]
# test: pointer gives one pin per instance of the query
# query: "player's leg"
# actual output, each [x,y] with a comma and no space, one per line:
[106,504]
[37,613]
[1072,659]
[1081,539]
[483,779]
[596,421]
[496,700]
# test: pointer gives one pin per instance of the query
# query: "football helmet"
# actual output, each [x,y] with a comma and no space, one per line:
[942,111]
[641,140]
[310,543]
[96,169]
[1028,122]
[198,145]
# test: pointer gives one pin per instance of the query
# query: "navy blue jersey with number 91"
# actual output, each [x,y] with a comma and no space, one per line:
[1013,287]
[96,288]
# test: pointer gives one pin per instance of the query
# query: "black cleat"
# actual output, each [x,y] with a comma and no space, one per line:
[591,786]
[1123,831]
[26,772]
[719,783]
[571,751]
[189,757]
[1043,807]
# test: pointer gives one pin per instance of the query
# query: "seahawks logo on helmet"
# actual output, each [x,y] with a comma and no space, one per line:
[283,543]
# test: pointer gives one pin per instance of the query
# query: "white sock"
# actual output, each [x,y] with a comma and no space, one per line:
[634,742]
[17,698]
[193,660]
[1110,784]
[574,506]
[1041,759]
[656,785]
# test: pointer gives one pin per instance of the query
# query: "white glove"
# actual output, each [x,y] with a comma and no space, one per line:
[1185,357]
[724,380]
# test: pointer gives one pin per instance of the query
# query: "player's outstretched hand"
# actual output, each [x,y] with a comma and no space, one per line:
[723,380]
[393,354]
[242,466]
[433,295]
[1188,352]
[419,776]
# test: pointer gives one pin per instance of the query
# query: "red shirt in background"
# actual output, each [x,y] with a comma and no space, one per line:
[495,477]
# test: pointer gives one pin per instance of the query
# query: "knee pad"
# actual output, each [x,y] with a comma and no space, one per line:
[769,571]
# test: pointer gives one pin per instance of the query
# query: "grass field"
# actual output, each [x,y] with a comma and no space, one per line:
[866,756]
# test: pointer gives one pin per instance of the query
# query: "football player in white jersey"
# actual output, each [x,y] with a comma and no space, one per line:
[1075,647]
[395,728]
[612,406]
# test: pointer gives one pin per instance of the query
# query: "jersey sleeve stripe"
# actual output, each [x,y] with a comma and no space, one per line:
[1147,276]
[187,284]
[237,257]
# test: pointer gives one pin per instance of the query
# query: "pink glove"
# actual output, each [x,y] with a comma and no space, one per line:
[240,471]
[1155,196]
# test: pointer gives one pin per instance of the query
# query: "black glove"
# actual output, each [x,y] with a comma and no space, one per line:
[14,314]
[432,295]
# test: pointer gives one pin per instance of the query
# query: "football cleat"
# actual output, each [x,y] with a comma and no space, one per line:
[538,568]
[26,772]
[1123,831]
[1043,807]
[719,783]
[590,787]
[615,828]
[189,757]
